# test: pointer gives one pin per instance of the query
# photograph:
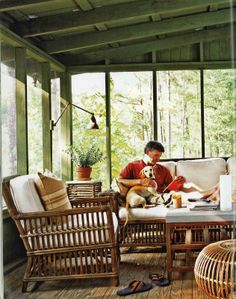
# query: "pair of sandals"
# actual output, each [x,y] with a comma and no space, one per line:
[137,286]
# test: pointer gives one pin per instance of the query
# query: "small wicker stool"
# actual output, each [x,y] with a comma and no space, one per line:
[215,269]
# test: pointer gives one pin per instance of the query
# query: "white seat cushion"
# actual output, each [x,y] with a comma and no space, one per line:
[158,212]
[25,195]
[204,173]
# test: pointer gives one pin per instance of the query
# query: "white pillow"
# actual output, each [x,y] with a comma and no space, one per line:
[25,195]
[204,173]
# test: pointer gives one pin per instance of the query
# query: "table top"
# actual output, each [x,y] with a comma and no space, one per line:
[183,215]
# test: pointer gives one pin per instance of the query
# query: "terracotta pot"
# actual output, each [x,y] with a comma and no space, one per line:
[83,173]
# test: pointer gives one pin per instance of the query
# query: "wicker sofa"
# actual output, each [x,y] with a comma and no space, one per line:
[146,227]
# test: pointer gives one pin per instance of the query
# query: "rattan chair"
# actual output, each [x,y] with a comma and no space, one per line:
[81,243]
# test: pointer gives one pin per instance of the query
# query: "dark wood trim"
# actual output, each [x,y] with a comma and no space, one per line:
[66,125]
[108,126]
[102,15]
[8,5]
[129,51]
[154,91]
[86,41]
[202,113]
[197,65]
[21,111]
[46,116]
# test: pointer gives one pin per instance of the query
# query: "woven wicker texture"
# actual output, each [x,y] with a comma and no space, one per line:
[215,268]
[83,189]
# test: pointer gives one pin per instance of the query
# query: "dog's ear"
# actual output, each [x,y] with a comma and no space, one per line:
[141,174]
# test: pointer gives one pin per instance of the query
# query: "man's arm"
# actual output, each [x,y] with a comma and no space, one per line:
[133,182]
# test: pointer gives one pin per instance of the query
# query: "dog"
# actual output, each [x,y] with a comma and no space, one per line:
[147,197]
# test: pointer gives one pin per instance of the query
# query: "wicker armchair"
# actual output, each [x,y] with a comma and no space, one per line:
[81,243]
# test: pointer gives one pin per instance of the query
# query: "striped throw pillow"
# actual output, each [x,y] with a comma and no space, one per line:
[52,192]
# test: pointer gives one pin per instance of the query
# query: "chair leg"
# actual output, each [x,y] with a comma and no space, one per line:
[115,281]
[24,286]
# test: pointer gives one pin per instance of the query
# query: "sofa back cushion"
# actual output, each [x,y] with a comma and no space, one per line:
[25,195]
[205,173]
[170,165]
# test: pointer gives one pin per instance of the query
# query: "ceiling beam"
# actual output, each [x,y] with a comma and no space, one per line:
[70,21]
[135,67]
[14,40]
[147,47]
[93,39]
[8,5]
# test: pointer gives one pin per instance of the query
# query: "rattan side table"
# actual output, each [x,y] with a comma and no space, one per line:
[77,189]
[215,269]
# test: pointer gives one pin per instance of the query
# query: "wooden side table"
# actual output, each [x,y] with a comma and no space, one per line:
[89,189]
[193,230]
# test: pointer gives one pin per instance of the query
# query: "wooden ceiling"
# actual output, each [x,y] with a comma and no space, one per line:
[98,32]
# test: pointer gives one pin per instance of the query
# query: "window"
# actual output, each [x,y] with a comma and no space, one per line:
[131,117]
[179,114]
[88,91]
[219,112]
[8,111]
[34,110]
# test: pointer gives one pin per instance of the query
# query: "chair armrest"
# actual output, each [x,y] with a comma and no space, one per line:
[114,195]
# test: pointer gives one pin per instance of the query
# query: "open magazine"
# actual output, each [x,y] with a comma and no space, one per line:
[195,204]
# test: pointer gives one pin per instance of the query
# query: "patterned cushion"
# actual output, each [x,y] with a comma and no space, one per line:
[52,192]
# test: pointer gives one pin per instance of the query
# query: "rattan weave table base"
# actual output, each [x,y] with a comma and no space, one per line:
[215,269]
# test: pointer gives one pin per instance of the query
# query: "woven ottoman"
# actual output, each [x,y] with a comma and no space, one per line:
[215,269]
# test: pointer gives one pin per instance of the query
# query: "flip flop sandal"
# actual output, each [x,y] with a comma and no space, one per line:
[159,279]
[134,286]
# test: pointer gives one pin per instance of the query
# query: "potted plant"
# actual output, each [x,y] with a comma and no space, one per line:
[84,157]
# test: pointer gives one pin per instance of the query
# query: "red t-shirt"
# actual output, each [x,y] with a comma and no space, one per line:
[162,174]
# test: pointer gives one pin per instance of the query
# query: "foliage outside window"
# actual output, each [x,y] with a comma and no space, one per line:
[220,113]
[8,115]
[88,91]
[34,108]
[179,114]
[56,134]
[131,117]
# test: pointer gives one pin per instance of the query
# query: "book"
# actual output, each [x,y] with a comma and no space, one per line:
[201,204]
[176,185]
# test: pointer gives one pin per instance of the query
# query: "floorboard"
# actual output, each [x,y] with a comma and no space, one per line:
[136,265]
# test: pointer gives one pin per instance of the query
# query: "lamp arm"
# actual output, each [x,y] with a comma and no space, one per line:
[64,110]
[82,109]
[93,119]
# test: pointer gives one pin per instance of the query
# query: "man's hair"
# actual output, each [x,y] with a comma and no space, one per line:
[154,145]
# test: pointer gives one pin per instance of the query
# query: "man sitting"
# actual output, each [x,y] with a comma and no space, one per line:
[153,151]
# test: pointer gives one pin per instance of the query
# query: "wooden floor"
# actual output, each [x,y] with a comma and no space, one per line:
[135,265]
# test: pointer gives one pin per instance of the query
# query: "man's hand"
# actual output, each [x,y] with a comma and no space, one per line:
[148,182]
[180,180]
